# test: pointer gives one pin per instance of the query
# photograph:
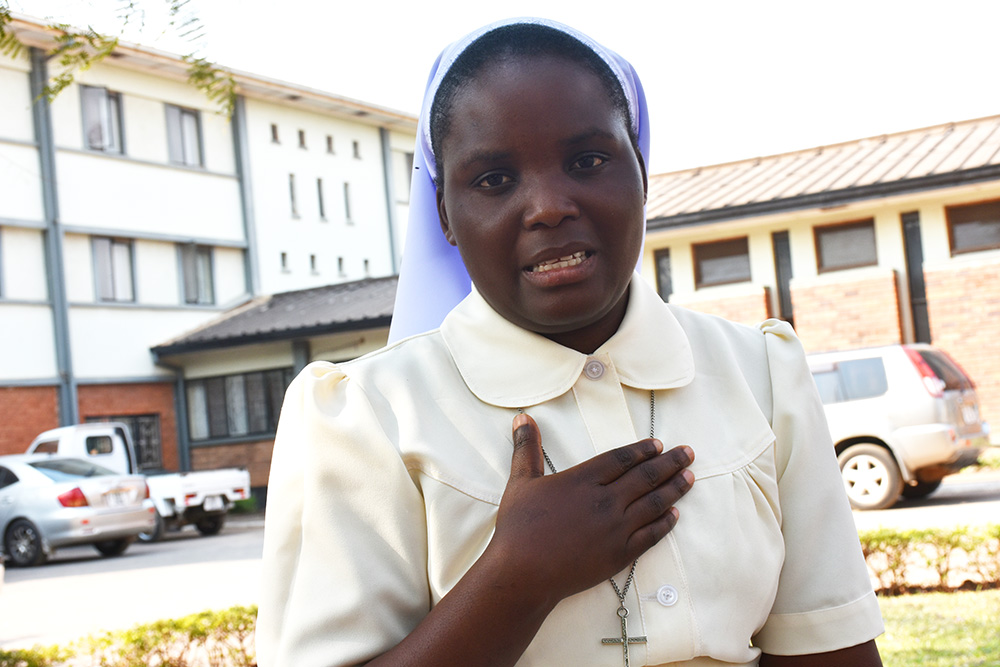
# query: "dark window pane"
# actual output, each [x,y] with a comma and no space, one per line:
[846,246]
[722,262]
[218,419]
[974,227]
[257,403]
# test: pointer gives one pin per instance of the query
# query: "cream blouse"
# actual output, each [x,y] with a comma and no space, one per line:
[388,471]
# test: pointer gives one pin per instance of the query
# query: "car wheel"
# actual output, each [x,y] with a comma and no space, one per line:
[112,547]
[23,544]
[871,476]
[210,525]
[154,534]
[921,489]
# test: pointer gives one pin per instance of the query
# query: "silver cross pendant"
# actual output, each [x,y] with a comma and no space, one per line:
[624,640]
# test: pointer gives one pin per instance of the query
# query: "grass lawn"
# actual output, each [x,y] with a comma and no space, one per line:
[941,630]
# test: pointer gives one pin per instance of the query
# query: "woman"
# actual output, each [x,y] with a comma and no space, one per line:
[409,524]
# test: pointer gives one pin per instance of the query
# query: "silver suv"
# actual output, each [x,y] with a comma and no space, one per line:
[901,416]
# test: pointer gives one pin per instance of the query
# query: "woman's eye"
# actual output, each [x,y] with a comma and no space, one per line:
[493,181]
[589,162]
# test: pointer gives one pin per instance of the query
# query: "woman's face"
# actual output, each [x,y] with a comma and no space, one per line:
[543,194]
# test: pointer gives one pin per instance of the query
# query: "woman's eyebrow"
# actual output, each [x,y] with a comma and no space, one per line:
[587,135]
[483,156]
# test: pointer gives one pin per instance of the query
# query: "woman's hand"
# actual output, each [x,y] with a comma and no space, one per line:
[570,531]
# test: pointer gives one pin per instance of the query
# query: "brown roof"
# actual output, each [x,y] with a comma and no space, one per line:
[362,304]
[931,157]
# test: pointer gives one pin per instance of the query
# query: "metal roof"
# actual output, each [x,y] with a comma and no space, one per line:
[931,157]
[362,304]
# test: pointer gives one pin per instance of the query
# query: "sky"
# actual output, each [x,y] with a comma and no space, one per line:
[725,79]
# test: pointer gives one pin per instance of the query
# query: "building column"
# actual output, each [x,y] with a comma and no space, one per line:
[69,412]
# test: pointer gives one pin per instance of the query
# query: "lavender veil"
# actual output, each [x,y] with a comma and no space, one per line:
[432,278]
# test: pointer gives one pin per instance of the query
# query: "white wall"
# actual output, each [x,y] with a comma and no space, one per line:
[22,262]
[27,345]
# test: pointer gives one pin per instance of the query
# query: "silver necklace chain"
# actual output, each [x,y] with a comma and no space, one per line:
[625,640]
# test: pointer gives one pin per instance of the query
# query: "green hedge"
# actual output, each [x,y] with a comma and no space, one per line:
[207,639]
[940,559]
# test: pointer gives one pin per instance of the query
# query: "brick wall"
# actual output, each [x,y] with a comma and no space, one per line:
[254,456]
[859,312]
[750,308]
[112,400]
[24,413]
[964,308]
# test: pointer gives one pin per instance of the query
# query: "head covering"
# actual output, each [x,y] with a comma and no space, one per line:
[432,278]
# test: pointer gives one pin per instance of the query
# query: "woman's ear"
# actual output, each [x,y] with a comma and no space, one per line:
[443,217]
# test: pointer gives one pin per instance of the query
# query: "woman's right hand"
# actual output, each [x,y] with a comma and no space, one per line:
[570,531]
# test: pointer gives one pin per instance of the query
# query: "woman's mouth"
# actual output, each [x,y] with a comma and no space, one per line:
[560,263]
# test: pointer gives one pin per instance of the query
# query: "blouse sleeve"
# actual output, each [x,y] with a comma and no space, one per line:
[344,563]
[825,600]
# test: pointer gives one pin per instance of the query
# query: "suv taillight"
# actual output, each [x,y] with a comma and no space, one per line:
[74,498]
[932,383]
[146,493]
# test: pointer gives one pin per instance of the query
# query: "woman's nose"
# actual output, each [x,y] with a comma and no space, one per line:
[548,202]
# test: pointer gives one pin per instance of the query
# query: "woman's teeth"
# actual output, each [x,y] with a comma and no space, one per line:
[561,263]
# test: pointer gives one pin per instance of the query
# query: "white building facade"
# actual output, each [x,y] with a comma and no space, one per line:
[132,211]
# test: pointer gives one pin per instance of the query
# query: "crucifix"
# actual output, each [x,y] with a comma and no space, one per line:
[624,640]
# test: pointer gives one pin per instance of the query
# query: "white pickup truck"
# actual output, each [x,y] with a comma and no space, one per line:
[201,498]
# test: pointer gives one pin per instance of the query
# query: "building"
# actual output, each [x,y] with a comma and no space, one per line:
[882,240]
[132,211]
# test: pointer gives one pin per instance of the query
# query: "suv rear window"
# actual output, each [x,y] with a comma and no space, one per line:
[63,470]
[851,380]
[946,369]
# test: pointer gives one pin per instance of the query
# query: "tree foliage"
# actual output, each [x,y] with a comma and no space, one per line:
[78,50]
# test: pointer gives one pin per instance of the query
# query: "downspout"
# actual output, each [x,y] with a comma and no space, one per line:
[390,194]
[180,410]
[69,409]
[241,151]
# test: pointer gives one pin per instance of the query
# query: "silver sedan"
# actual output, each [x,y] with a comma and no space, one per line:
[48,502]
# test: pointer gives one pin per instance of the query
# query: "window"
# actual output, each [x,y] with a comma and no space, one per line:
[7,477]
[402,165]
[340,266]
[291,195]
[367,268]
[356,145]
[664,285]
[184,136]
[347,202]
[312,264]
[244,404]
[145,430]
[302,138]
[284,262]
[974,227]
[113,269]
[851,380]
[329,143]
[721,262]
[845,245]
[196,273]
[102,119]
[274,134]
[98,444]
[319,193]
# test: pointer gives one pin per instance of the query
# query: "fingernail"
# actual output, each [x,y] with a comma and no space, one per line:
[520,420]
[690,453]
[658,445]
[688,476]
[673,510]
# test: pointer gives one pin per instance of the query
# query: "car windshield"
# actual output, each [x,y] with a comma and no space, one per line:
[63,470]
[946,369]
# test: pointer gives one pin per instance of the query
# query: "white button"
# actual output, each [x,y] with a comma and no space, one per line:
[667,595]
[593,369]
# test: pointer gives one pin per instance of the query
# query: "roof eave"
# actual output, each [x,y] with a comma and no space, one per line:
[827,199]
[168,350]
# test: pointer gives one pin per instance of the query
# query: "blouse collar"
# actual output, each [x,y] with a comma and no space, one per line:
[507,366]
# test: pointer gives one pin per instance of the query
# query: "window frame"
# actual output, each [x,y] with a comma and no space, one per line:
[347,203]
[322,200]
[292,198]
[96,256]
[663,255]
[275,137]
[820,230]
[111,120]
[223,404]
[948,214]
[699,280]
[199,251]
[177,136]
